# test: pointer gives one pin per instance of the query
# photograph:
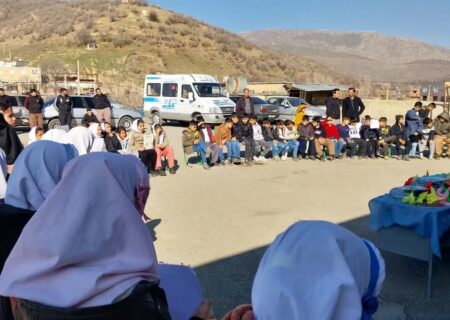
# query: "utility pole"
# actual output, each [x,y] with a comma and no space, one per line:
[78,77]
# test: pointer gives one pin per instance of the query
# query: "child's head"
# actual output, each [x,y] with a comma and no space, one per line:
[122,133]
[39,133]
[252,120]
[316,121]
[329,121]
[383,121]
[89,111]
[280,124]
[428,123]
[244,118]
[228,123]
[346,121]
[367,120]
[158,129]
[192,125]
[289,124]
[108,128]
[418,105]
[201,122]
[234,118]
[305,120]
[442,119]
[140,125]
[399,119]
[431,106]
[266,123]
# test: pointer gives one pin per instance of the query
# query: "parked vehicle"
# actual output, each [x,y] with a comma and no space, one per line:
[21,114]
[185,97]
[262,108]
[289,105]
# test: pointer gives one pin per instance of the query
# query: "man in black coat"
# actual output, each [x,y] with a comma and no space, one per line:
[245,104]
[9,140]
[34,104]
[352,106]
[102,106]
[333,104]
[64,106]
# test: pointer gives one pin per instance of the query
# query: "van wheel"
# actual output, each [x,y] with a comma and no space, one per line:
[196,117]
[53,124]
[125,122]
[156,118]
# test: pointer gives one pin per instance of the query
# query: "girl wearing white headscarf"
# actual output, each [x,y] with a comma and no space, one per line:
[318,270]
[80,137]
[35,134]
[54,135]
[99,142]
[137,144]
[98,261]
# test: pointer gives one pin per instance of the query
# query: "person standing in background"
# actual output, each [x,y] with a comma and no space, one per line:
[333,105]
[102,106]
[352,106]
[9,140]
[34,104]
[245,104]
[64,106]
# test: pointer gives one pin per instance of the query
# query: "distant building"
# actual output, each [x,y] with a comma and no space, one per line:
[266,89]
[17,76]
[315,94]
[432,91]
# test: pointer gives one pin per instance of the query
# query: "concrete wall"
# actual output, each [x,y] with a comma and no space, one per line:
[390,108]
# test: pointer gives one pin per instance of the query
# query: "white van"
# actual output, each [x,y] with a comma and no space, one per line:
[185,97]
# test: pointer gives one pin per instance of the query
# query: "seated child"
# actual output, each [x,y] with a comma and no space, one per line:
[427,138]
[387,138]
[371,136]
[260,143]
[163,149]
[344,137]
[89,118]
[402,145]
[291,137]
[223,138]
[247,138]
[306,139]
[35,134]
[192,142]
[321,140]
[333,135]
[269,137]
[210,140]
[136,144]
[236,137]
[355,139]
[99,142]
[280,137]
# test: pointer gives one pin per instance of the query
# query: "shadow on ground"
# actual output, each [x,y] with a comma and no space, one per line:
[228,281]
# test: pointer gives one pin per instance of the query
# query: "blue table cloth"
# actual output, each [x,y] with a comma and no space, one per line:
[429,222]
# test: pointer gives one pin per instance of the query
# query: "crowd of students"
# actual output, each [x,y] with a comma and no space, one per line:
[73,244]
[316,139]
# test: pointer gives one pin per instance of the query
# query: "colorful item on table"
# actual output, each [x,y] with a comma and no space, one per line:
[425,191]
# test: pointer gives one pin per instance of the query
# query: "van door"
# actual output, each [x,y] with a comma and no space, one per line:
[169,101]
[185,107]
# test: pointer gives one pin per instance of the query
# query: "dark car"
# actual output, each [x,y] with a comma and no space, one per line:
[262,108]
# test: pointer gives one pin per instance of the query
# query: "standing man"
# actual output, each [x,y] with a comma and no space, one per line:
[333,104]
[64,106]
[102,106]
[352,106]
[4,99]
[34,104]
[9,141]
[245,104]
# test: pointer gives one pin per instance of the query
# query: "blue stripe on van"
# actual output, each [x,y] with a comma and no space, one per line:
[150,99]
[153,78]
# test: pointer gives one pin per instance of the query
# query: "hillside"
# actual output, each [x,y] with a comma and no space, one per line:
[364,55]
[134,39]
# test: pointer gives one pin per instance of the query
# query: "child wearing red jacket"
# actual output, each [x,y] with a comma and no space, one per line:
[333,135]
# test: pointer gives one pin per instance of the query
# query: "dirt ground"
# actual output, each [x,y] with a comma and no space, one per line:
[220,222]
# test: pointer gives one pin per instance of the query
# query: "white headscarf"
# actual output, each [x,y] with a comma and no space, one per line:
[99,143]
[32,135]
[80,138]
[161,136]
[134,126]
[87,244]
[318,270]
[54,135]
[36,172]
[3,174]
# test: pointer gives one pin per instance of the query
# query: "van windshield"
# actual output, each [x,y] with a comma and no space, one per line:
[206,90]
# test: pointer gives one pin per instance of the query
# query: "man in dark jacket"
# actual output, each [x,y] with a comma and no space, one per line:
[64,106]
[5,99]
[352,106]
[9,141]
[34,104]
[245,104]
[102,106]
[333,104]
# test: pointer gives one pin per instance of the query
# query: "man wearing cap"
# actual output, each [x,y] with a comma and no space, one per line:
[102,106]
[64,106]
[34,104]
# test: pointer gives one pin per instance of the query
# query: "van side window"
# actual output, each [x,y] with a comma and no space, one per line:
[185,89]
[170,90]
[153,89]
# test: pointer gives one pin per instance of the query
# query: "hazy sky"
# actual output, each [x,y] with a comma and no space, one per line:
[427,20]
